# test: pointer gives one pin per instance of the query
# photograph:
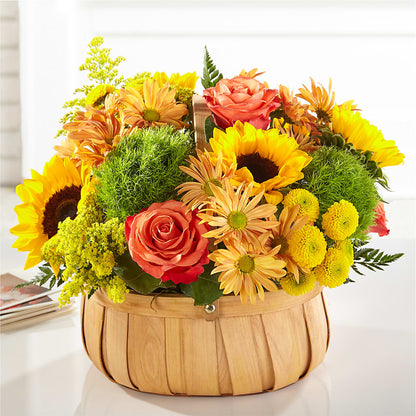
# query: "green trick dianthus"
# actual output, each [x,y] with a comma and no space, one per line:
[143,169]
[333,175]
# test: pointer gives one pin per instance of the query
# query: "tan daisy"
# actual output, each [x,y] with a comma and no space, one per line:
[206,173]
[281,234]
[233,215]
[157,107]
[246,271]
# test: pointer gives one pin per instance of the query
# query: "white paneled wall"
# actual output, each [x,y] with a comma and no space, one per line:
[367,47]
[10,143]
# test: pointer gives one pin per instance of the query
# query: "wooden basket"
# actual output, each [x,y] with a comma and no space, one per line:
[174,347]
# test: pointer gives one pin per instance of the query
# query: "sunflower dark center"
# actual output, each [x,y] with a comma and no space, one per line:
[100,100]
[61,205]
[260,167]
[281,241]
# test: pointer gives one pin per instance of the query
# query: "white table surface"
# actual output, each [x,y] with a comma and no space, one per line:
[369,368]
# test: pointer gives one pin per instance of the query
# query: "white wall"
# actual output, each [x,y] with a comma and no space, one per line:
[366,47]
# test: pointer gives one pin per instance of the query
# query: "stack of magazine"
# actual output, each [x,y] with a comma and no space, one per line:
[26,305]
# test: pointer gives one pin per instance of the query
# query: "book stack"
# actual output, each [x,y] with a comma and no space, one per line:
[23,304]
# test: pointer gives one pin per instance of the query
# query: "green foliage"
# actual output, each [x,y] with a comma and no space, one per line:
[372,258]
[329,138]
[44,275]
[136,279]
[209,128]
[206,289]
[211,75]
[334,174]
[143,169]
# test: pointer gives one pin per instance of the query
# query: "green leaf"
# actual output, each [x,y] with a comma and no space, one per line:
[206,289]
[210,75]
[209,128]
[134,277]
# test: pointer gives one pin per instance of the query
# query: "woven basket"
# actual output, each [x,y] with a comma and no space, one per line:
[174,347]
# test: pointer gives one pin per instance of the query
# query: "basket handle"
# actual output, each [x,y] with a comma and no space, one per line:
[201,112]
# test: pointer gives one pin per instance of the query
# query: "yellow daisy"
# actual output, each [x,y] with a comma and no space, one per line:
[289,222]
[340,221]
[187,80]
[266,158]
[47,200]
[307,246]
[309,204]
[333,271]
[299,287]
[245,271]
[156,108]
[233,215]
[206,174]
[364,136]
[96,97]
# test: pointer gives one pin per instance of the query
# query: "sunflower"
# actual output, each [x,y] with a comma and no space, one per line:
[293,287]
[47,200]
[93,134]
[187,80]
[96,97]
[156,108]
[233,215]
[245,271]
[364,136]
[266,158]
[250,74]
[321,101]
[289,222]
[206,174]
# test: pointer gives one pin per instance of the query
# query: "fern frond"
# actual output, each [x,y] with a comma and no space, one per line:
[210,75]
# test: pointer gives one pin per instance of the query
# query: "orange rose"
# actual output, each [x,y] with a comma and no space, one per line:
[166,241]
[241,98]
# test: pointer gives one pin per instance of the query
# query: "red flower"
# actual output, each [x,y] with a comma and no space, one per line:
[166,241]
[380,226]
[241,98]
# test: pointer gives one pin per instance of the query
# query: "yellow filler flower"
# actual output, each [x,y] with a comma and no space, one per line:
[231,214]
[293,287]
[307,246]
[206,174]
[245,271]
[156,108]
[308,203]
[364,136]
[333,271]
[340,221]
[47,200]
[266,158]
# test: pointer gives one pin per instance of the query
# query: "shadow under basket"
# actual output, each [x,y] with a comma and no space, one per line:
[173,347]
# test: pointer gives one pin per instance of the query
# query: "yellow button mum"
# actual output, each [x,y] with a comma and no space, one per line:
[346,247]
[340,221]
[307,246]
[293,288]
[333,271]
[309,204]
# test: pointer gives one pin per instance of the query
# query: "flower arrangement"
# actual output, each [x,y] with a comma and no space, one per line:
[283,197]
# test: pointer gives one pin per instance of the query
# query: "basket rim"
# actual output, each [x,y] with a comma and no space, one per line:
[181,306]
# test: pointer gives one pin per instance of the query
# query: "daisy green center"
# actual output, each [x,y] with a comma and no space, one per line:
[151,115]
[207,186]
[246,264]
[237,220]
